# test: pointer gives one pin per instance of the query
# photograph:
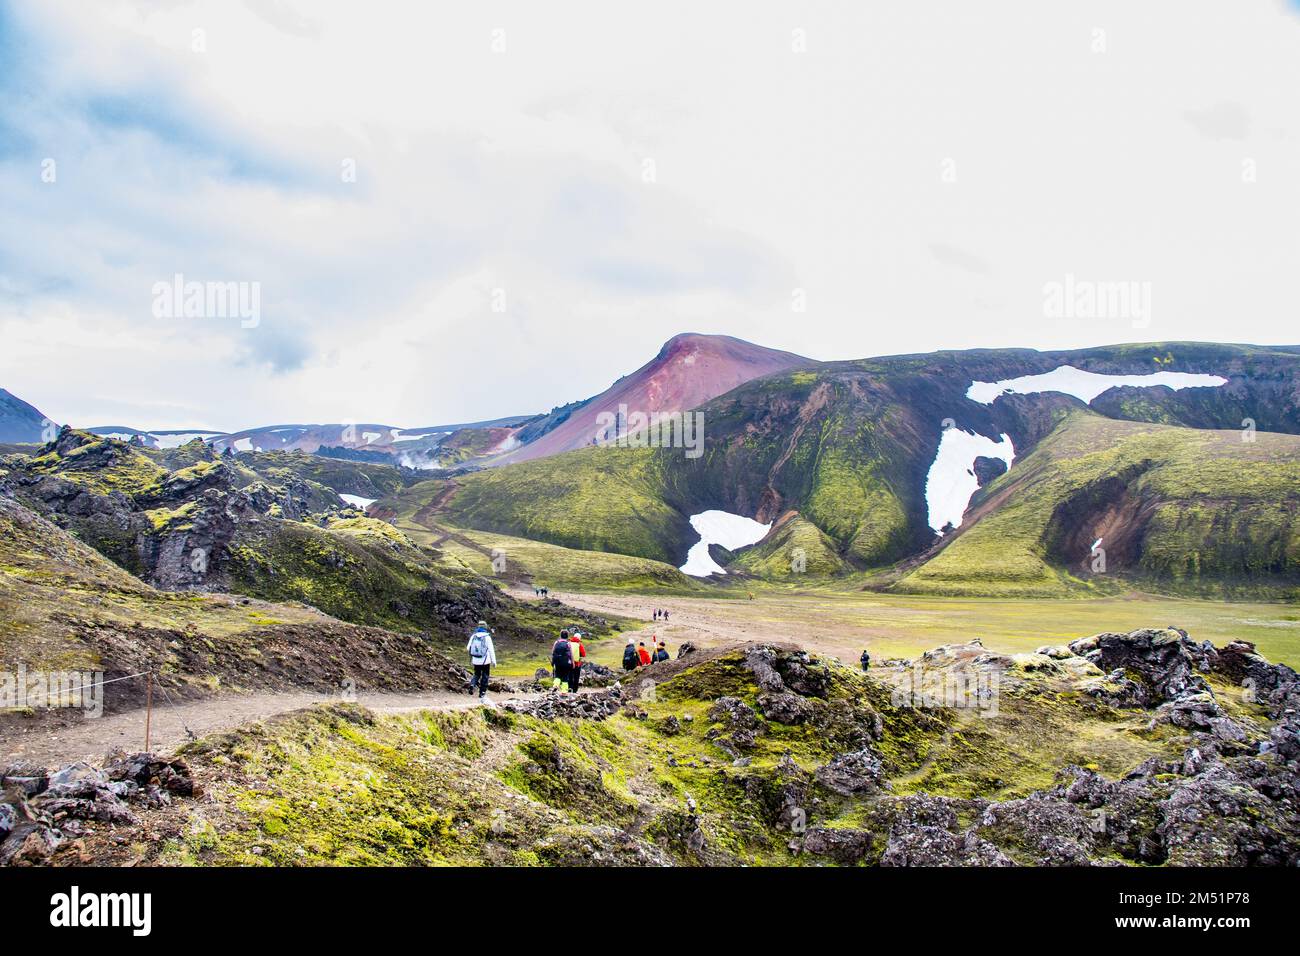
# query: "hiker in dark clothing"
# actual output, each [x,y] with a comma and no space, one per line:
[662,653]
[561,661]
[865,660]
[630,657]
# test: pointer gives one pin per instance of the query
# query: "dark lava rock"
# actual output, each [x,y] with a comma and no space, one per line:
[1156,665]
[597,706]
[843,845]
[740,726]
[851,773]
[785,708]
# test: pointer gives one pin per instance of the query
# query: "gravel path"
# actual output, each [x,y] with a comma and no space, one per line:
[175,724]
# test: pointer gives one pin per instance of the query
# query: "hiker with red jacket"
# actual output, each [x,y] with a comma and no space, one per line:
[579,656]
[643,654]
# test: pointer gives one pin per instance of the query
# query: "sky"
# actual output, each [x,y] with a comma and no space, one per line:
[452,212]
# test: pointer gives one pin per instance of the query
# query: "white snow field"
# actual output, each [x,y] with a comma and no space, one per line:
[951,480]
[1084,385]
[358,502]
[722,528]
[175,441]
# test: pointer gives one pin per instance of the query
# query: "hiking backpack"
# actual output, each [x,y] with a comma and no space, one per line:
[560,654]
[630,657]
[478,646]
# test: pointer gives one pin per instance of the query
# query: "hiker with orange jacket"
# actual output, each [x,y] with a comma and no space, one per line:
[643,654]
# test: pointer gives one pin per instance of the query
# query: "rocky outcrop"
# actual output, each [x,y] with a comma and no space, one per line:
[842,844]
[42,813]
[556,706]
[856,772]
[1149,666]
[737,725]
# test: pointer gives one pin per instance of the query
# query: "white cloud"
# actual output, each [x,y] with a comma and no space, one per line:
[523,171]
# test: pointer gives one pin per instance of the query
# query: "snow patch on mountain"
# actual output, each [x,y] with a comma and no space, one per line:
[721,528]
[1085,385]
[176,440]
[951,481]
[357,501]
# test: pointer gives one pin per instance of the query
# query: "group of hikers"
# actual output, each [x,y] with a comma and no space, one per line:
[659,615]
[636,654]
[542,592]
[568,654]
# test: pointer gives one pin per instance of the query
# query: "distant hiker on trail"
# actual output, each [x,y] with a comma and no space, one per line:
[579,657]
[655,616]
[642,654]
[662,653]
[665,616]
[561,662]
[865,660]
[630,657]
[482,654]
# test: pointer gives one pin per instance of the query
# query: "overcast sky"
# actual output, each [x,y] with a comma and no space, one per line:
[610,174]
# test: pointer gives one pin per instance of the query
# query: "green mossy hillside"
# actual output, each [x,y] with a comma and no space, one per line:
[594,499]
[793,549]
[730,759]
[1180,510]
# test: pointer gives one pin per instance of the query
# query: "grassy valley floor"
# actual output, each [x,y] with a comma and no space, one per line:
[891,626]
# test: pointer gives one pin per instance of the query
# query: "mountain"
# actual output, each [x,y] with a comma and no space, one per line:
[262,526]
[20,422]
[427,447]
[171,438]
[65,605]
[688,371]
[876,468]
[1099,503]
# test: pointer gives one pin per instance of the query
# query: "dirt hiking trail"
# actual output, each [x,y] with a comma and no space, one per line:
[175,724]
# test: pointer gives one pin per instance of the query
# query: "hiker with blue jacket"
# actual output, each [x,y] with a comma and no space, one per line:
[482,654]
